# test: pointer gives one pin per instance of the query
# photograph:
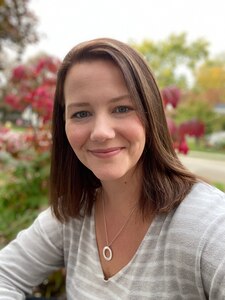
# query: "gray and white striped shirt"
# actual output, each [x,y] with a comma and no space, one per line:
[182,255]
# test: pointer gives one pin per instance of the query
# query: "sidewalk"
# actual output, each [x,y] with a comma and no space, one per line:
[209,166]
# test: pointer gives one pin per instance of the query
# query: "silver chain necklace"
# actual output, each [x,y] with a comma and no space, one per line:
[107,250]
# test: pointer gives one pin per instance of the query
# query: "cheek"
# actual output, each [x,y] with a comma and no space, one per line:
[135,131]
[76,136]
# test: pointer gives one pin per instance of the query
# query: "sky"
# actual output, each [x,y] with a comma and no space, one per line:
[65,23]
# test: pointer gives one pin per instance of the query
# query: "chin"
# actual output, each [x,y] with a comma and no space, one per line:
[109,176]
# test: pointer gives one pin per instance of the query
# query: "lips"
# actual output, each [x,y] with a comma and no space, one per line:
[107,152]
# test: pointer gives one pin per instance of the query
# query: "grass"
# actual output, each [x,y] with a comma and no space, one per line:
[200,150]
[207,155]
[220,186]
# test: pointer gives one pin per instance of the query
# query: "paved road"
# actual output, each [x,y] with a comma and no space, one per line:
[212,170]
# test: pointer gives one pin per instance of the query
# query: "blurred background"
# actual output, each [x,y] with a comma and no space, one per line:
[183,43]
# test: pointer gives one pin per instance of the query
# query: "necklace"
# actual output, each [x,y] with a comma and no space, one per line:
[107,250]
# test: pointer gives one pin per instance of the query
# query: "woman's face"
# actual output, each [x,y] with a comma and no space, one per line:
[102,124]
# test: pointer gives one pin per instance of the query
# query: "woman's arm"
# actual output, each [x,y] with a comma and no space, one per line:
[31,257]
[211,260]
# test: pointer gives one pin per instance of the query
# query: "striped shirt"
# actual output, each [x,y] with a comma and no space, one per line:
[182,255]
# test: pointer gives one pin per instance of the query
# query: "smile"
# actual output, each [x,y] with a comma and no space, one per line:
[106,153]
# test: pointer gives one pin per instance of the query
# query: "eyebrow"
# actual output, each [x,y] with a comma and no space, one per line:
[112,100]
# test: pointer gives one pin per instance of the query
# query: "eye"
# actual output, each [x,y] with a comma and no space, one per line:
[81,114]
[122,109]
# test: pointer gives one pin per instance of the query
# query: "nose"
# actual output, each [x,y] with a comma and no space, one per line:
[102,129]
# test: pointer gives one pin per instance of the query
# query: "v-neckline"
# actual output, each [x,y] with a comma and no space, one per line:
[125,268]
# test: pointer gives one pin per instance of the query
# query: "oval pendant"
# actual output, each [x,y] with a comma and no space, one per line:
[107,253]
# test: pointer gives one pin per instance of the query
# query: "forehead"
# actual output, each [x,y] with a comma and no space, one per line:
[92,67]
[93,74]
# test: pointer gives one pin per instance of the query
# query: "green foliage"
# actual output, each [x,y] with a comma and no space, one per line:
[210,79]
[220,186]
[53,286]
[200,145]
[219,123]
[196,109]
[169,58]
[23,196]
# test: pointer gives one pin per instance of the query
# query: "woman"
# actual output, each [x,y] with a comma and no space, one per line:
[127,220]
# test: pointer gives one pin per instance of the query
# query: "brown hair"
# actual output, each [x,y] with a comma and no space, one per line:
[165,180]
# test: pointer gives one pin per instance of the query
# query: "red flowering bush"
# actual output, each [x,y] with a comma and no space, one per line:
[33,86]
[195,128]
[25,153]
[171,96]
[30,90]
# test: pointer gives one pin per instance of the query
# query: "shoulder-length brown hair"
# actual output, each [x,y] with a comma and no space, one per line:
[165,181]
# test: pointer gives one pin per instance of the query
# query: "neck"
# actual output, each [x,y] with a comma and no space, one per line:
[123,194]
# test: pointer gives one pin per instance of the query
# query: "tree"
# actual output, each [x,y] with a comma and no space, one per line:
[32,85]
[17,26]
[194,108]
[210,80]
[173,58]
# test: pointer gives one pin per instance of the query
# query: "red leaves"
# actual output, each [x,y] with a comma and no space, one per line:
[31,88]
[179,141]
[41,100]
[178,133]
[183,147]
[47,63]
[19,73]
[193,128]
[171,95]
[14,101]
[33,85]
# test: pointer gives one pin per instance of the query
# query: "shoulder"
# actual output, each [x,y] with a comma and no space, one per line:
[44,228]
[46,221]
[207,191]
[203,202]
[200,215]
[195,237]
[49,225]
